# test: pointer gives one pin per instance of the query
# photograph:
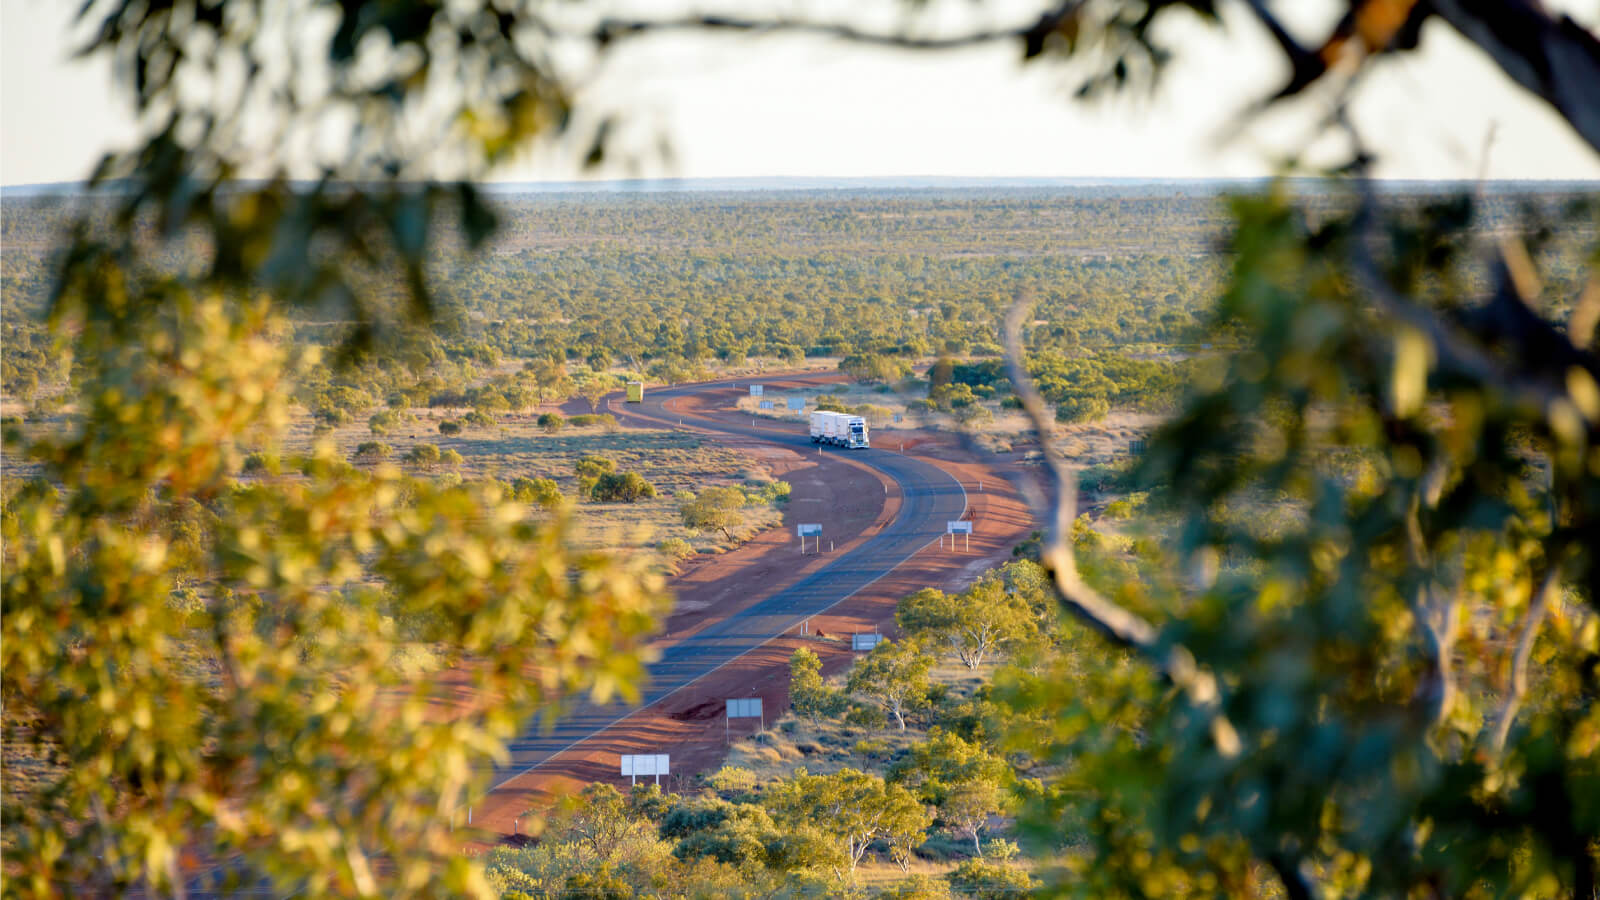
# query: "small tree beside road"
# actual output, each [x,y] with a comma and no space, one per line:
[961,778]
[855,808]
[809,695]
[974,624]
[595,389]
[895,676]
[715,509]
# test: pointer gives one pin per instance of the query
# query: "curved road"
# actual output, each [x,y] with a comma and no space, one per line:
[929,498]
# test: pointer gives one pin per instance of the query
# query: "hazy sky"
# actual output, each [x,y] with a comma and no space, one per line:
[737,107]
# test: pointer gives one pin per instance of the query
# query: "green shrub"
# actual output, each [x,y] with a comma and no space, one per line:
[831,403]
[773,492]
[1082,409]
[381,422]
[675,549]
[985,880]
[449,426]
[1001,850]
[593,466]
[732,780]
[543,491]
[423,455]
[331,416]
[625,487]
[1124,507]
[871,748]
[372,451]
[876,416]
[552,422]
[1106,479]
[587,420]
[479,419]
[866,715]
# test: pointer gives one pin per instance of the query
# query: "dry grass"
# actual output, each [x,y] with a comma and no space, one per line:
[673,461]
[875,875]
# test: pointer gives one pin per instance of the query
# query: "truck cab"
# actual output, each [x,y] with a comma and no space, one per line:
[857,436]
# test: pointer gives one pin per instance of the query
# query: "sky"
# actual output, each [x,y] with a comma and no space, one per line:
[732,107]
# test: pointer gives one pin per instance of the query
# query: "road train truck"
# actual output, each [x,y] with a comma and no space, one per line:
[635,392]
[839,429]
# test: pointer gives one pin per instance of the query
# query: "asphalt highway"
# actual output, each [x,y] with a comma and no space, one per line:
[929,498]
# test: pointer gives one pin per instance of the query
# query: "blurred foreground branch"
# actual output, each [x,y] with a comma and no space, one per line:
[1120,625]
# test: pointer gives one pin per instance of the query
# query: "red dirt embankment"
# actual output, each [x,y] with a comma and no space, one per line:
[685,724]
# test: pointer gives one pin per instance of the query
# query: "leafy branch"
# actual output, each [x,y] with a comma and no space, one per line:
[1122,626]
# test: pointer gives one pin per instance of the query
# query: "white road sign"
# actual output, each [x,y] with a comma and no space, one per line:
[634,765]
[744,708]
[958,528]
[864,641]
[809,530]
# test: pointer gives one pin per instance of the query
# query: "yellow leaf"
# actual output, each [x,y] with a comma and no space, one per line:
[1408,382]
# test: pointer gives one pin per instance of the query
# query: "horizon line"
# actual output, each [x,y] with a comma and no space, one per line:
[779,182]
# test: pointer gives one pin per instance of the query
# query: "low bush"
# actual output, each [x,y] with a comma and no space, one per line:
[625,487]
[423,455]
[543,491]
[985,880]
[675,549]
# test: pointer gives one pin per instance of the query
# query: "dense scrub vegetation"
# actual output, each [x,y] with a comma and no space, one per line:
[840,797]
[561,308]
[462,419]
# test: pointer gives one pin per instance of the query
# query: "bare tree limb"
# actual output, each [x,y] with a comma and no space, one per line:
[1120,625]
[1517,689]
[1436,613]
[1032,35]
[1552,56]
[1305,67]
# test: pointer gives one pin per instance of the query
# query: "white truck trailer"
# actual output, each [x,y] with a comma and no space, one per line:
[839,429]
